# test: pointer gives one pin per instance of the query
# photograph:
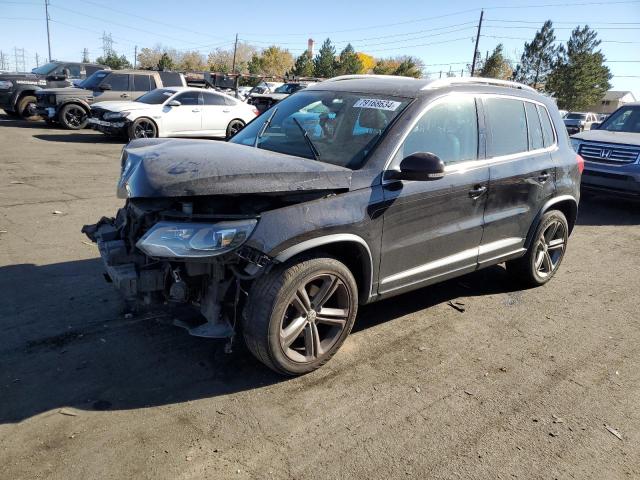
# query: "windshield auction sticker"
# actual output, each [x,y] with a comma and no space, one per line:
[377,104]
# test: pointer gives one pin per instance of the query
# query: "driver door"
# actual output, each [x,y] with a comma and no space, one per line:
[186,119]
[433,229]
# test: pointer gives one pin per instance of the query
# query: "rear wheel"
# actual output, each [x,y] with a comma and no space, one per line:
[234,127]
[73,117]
[298,315]
[26,107]
[143,128]
[545,253]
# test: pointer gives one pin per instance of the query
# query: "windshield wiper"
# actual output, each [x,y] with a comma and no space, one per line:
[264,127]
[312,147]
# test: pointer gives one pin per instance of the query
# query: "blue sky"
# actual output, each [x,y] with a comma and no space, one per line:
[439,33]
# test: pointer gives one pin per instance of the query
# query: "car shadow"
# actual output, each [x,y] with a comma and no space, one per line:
[34,122]
[75,137]
[68,343]
[602,209]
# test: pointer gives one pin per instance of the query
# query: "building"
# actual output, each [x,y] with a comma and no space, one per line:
[612,100]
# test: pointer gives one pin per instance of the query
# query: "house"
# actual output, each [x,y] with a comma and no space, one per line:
[612,100]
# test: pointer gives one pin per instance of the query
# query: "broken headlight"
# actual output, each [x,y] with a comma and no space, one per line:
[194,240]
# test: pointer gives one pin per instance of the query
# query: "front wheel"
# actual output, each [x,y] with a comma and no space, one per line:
[142,128]
[299,314]
[545,253]
[234,127]
[73,117]
[27,107]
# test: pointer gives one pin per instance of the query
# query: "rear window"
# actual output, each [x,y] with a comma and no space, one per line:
[508,126]
[534,126]
[171,79]
[547,128]
[212,99]
[141,83]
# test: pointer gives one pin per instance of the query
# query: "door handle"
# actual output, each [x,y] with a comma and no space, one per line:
[124,95]
[543,177]
[477,191]
[226,110]
[195,110]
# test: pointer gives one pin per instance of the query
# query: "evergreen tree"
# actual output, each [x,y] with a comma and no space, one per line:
[496,65]
[255,64]
[325,61]
[349,63]
[538,57]
[409,67]
[304,65]
[579,77]
[165,62]
[113,61]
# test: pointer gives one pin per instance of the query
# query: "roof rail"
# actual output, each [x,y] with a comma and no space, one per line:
[445,82]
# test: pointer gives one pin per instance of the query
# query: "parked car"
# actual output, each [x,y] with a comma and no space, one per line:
[612,152]
[173,112]
[70,107]
[18,90]
[579,121]
[287,227]
[264,101]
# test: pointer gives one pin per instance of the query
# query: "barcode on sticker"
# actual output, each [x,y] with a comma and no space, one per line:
[377,103]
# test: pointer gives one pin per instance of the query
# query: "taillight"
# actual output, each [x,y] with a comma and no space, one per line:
[580,161]
[256,111]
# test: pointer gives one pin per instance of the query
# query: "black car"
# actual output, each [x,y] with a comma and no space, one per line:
[17,90]
[348,192]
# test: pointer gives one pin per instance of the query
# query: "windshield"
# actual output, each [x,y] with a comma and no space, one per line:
[340,128]
[44,69]
[156,97]
[288,88]
[625,119]
[92,81]
[576,116]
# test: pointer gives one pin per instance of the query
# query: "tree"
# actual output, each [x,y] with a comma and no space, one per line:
[304,65]
[386,66]
[165,62]
[368,62]
[192,61]
[221,60]
[275,61]
[325,61]
[113,61]
[403,66]
[537,59]
[579,77]
[348,62]
[496,65]
[255,64]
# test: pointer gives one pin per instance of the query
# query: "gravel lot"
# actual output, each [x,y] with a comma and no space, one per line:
[522,384]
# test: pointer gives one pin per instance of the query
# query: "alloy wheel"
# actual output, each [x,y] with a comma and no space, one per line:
[550,248]
[315,318]
[235,127]
[144,129]
[74,116]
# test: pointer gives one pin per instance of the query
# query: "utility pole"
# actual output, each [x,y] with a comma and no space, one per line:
[475,48]
[37,60]
[85,55]
[135,57]
[46,11]
[235,48]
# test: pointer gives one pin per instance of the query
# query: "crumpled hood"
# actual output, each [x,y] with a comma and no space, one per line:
[605,136]
[68,91]
[180,168]
[115,106]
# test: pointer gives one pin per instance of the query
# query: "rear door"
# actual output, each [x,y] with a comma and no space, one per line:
[186,119]
[521,174]
[433,229]
[216,114]
[141,84]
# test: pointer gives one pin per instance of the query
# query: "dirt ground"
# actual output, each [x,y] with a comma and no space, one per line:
[522,384]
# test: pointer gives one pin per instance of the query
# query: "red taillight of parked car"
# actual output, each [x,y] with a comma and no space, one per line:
[256,111]
[580,161]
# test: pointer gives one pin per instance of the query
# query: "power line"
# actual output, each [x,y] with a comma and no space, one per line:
[528,39]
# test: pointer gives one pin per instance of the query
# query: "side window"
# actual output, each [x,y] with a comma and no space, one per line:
[449,129]
[547,128]
[118,81]
[189,98]
[534,126]
[141,83]
[212,99]
[74,70]
[152,83]
[508,126]
[230,102]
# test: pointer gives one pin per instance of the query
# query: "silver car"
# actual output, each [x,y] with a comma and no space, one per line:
[611,152]
[577,122]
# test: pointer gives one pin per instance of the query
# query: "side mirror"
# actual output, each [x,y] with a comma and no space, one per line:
[595,125]
[419,166]
[173,103]
[105,86]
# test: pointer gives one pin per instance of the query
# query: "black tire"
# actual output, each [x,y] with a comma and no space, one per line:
[546,252]
[73,116]
[234,127]
[274,309]
[12,114]
[142,128]
[26,107]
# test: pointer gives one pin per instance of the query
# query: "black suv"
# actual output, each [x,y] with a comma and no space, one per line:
[17,90]
[347,192]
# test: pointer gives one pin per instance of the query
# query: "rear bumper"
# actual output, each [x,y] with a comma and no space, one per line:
[624,180]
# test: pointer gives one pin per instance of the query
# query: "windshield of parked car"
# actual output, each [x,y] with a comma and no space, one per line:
[340,128]
[625,119]
[288,88]
[44,69]
[156,97]
[576,116]
[93,80]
